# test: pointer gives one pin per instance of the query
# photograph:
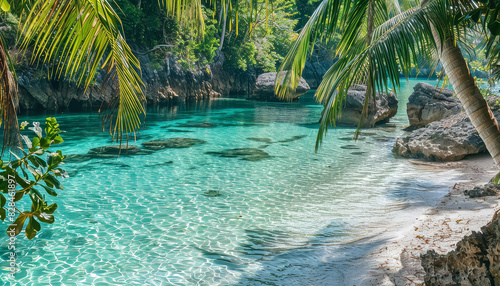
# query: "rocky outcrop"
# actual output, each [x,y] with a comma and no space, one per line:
[165,83]
[475,261]
[38,93]
[449,139]
[264,88]
[235,83]
[429,103]
[173,83]
[487,190]
[318,62]
[352,107]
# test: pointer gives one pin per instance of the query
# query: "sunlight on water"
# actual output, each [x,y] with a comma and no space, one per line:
[279,215]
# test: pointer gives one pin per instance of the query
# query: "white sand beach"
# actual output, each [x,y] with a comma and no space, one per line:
[439,228]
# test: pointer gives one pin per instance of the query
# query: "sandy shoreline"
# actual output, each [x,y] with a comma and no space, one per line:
[439,228]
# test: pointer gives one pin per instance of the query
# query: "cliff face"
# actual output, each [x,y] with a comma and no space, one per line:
[170,83]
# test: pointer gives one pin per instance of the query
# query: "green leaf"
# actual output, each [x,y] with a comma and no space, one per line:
[32,228]
[3,214]
[44,143]
[17,226]
[57,140]
[40,161]
[36,198]
[18,196]
[4,186]
[5,6]
[35,142]
[3,201]
[33,161]
[50,209]
[494,27]
[21,182]
[52,182]
[45,217]
[49,191]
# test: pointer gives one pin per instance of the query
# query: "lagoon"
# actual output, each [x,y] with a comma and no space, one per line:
[203,216]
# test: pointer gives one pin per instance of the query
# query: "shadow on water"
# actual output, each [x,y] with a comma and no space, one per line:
[324,258]
[319,261]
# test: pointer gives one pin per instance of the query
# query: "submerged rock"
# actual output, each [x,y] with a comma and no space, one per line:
[172,143]
[449,139]
[297,137]
[178,130]
[475,261]
[118,150]
[386,108]
[349,147]
[197,124]
[487,190]
[264,88]
[266,140]
[270,141]
[247,154]
[429,103]
[78,158]
[212,193]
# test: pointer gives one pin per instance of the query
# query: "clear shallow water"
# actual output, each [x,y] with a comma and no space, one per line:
[296,218]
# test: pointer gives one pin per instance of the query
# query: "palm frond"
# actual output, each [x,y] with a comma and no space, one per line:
[187,12]
[81,37]
[322,24]
[396,44]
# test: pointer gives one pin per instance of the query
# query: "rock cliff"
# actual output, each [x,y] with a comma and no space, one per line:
[164,84]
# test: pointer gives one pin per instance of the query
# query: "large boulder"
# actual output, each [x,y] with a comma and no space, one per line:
[449,139]
[429,103]
[475,261]
[264,88]
[352,107]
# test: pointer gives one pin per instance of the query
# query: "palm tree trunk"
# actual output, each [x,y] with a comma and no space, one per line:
[224,28]
[370,91]
[469,95]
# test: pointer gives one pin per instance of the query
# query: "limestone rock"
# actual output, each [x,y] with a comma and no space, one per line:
[386,108]
[449,139]
[475,261]
[429,103]
[264,88]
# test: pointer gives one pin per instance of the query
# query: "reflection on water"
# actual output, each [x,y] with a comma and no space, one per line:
[201,216]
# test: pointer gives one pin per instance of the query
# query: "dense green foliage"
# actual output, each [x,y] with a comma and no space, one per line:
[143,22]
[36,169]
[257,37]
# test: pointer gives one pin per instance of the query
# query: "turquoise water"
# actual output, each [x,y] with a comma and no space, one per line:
[185,217]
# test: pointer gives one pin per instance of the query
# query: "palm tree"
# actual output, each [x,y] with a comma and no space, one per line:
[396,43]
[78,38]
